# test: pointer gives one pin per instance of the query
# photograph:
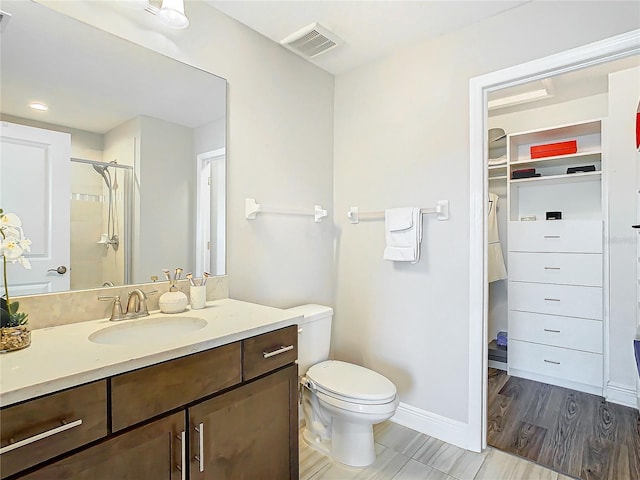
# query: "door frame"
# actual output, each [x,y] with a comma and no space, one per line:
[594,53]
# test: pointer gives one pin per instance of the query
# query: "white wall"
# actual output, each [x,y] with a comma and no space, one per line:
[401,138]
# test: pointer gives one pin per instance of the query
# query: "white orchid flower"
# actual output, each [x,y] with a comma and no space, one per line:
[24,262]
[10,248]
[10,220]
[25,244]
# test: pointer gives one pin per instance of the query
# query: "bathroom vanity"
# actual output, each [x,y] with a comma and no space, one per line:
[219,402]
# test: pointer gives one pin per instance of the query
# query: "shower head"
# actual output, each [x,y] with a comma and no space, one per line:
[102,170]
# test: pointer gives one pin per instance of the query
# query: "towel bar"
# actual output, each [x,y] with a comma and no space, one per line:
[251,208]
[441,209]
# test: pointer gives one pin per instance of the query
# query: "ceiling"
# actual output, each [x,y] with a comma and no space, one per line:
[369,29]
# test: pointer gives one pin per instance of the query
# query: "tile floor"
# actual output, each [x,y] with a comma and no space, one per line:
[404,454]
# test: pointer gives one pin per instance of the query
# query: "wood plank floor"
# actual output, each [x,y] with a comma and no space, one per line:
[571,432]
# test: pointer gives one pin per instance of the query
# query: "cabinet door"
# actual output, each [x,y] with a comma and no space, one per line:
[151,452]
[250,433]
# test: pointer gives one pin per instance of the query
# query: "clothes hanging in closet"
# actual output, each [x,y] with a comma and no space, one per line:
[497,269]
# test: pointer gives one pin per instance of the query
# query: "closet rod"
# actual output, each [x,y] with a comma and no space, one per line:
[441,209]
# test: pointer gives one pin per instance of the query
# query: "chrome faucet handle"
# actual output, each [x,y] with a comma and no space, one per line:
[116,310]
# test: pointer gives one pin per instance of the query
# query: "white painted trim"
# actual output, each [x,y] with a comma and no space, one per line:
[595,53]
[437,426]
[622,395]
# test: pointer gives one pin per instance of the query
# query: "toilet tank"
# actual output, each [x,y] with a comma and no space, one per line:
[314,335]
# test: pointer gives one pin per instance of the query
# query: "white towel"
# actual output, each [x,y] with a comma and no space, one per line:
[403,233]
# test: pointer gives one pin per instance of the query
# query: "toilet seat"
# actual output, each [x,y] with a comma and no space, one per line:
[360,408]
[350,386]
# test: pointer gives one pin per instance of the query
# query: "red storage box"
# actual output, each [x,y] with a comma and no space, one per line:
[553,149]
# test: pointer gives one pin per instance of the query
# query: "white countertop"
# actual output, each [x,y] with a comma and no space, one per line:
[63,356]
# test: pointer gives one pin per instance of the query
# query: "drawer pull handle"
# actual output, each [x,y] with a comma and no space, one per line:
[552,331]
[40,436]
[552,236]
[552,299]
[552,268]
[551,361]
[183,452]
[280,350]
[200,457]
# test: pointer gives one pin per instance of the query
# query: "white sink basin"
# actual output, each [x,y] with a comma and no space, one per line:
[153,329]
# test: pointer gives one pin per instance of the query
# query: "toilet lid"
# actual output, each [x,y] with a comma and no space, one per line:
[351,381]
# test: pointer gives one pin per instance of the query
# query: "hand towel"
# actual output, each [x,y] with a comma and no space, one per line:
[403,234]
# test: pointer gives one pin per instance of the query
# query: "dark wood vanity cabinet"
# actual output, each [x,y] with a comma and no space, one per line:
[246,434]
[38,430]
[229,413]
[152,451]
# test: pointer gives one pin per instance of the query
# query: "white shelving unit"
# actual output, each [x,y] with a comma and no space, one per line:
[555,288]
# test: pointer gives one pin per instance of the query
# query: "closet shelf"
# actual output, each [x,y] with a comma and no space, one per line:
[564,178]
[498,177]
[574,159]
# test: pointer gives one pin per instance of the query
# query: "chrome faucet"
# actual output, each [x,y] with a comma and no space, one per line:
[137,304]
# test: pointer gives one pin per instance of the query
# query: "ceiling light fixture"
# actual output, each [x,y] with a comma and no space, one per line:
[172,14]
[41,107]
[517,99]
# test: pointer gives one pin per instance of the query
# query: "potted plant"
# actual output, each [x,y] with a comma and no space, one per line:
[14,332]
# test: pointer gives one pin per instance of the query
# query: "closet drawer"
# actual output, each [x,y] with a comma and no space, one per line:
[565,268]
[567,300]
[563,363]
[567,332]
[580,236]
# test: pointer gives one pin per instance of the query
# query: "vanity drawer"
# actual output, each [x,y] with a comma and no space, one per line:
[556,236]
[566,300]
[564,268]
[269,351]
[49,426]
[151,391]
[561,363]
[568,332]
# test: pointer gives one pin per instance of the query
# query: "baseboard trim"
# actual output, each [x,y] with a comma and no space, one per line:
[442,428]
[622,395]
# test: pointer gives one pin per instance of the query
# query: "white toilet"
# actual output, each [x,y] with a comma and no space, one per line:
[340,401]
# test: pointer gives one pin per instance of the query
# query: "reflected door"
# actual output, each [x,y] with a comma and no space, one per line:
[32,162]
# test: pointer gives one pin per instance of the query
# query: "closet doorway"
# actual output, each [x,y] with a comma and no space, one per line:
[580,190]
[557,212]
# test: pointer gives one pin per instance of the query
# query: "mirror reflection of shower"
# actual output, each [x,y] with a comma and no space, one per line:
[111,237]
[100,223]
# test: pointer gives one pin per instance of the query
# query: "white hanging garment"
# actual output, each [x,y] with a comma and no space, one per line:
[497,269]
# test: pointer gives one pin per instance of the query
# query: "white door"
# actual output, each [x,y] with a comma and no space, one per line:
[211,208]
[34,184]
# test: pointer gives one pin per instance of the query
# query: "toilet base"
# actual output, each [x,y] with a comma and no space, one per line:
[351,444]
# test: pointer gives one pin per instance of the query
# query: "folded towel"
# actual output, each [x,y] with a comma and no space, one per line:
[403,234]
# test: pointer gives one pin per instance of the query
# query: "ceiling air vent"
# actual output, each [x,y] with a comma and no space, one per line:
[311,41]
[4,19]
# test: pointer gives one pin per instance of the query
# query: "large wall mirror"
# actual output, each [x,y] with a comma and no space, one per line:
[123,174]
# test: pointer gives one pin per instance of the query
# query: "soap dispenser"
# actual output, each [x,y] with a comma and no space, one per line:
[173,301]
